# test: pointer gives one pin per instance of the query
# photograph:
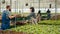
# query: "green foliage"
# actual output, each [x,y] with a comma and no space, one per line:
[38,29]
[53,22]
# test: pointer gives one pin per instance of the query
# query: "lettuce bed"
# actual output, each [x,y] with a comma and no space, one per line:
[38,29]
[50,22]
[43,27]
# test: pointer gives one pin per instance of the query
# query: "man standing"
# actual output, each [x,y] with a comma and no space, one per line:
[48,14]
[6,18]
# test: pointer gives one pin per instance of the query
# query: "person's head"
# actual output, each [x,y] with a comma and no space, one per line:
[32,9]
[39,11]
[48,10]
[8,7]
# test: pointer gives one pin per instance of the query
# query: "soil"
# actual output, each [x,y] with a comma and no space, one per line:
[11,32]
[20,23]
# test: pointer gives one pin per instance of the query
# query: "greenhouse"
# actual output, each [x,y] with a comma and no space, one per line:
[29,16]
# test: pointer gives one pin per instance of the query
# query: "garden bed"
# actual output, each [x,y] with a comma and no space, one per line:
[50,22]
[38,29]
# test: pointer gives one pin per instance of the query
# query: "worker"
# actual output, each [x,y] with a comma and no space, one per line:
[39,16]
[32,16]
[6,16]
[48,14]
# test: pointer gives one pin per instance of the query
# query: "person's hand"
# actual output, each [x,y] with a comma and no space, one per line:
[15,15]
[0,17]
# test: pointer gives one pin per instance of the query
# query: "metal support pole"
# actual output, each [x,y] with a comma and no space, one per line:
[39,4]
[0,6]
[11,3]
[0,11]
[55,9]
[17,6]
[22,9]
[33,2]
[15,12]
